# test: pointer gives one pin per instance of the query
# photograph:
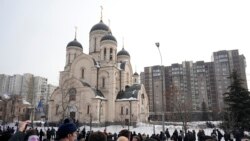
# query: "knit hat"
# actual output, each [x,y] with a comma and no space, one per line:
[65,129]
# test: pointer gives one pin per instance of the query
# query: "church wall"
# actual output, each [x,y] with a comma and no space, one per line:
[122,115]
[108,45]
[94,41]
[85,98]
[109,91]
[72,53]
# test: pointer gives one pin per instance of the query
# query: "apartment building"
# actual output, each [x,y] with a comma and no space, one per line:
[28,87]
[196,87]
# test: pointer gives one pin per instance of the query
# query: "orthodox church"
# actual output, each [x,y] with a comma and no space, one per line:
[100,86]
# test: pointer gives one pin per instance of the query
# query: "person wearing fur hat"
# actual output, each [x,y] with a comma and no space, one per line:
[67,131]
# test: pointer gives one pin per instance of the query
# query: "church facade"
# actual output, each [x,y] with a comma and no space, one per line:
[99,86]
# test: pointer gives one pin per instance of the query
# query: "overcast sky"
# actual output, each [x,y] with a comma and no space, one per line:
[34,33]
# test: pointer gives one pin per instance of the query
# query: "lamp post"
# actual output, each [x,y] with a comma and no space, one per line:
[162,92]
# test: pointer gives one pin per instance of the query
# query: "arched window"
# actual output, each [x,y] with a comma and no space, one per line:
[103,82]
[142,99]
[88,109]
[82,74]
[121,110]
[57,107]
[104,55]
[127,78]
[68,58]
[111,54]
[72,94]
[126,111]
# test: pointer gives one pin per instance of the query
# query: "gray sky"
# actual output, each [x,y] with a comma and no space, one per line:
[34,33]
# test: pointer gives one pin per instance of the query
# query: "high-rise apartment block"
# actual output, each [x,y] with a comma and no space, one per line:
[196,87]
[31,88]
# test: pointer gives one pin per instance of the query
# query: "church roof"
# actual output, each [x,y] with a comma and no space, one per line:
[136,74]
[131,92]
[123,52]
[85,83]
[98,93]
[74,43]
[108,37]
[100,26]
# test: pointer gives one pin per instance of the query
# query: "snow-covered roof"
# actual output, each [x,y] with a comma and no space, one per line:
[5,96]
[127,99]
[99,97]
[130,92]
[25,102]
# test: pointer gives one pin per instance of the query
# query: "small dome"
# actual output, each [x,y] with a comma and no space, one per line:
[136,74]
[74,43]
[100,26]
[108,37]
[123,52]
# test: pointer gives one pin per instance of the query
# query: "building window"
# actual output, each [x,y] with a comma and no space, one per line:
[95,45]
[104,53]
[68,58]
[142,99]
[121,110]
[126,111]
[72,115]
[88,109]
[57,108]
[127,78]
[82,73]
[103,82]
[111,54]
[72,94]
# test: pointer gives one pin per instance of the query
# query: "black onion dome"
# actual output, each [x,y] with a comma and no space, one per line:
[100,26]
[123,52]
[74,43]
[108,37]
[136,74]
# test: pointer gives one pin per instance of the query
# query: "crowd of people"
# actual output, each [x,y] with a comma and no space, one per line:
[68,131]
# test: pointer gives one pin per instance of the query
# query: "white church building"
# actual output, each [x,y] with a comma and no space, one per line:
[99,86]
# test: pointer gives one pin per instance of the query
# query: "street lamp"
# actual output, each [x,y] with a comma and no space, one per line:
[162,92]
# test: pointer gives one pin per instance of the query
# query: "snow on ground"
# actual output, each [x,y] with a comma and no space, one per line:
[150,128]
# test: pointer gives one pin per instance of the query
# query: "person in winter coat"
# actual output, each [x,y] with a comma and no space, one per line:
[167,134]
[219,135]
[97,136]
[41,134]
[21,135]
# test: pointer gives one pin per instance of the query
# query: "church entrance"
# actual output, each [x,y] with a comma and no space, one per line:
[73,115]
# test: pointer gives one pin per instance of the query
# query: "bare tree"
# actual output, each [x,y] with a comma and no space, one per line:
[122,120]
[182,108]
